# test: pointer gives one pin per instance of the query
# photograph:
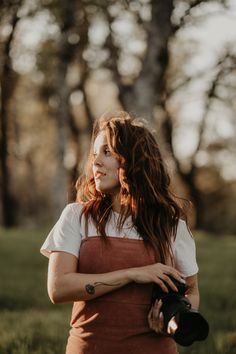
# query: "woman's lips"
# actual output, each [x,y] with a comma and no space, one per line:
[99,174]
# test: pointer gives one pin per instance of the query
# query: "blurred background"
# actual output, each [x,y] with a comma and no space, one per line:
[63,64]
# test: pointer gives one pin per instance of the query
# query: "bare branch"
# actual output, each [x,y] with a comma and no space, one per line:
[211,95]
[187,15]
[114,56]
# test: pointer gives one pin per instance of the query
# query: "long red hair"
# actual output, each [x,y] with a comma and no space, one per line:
[145,191]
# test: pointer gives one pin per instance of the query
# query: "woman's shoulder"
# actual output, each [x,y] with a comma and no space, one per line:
[76,206]
[71,214]
[181,222]
[183,232]
[73,208]
[182,225]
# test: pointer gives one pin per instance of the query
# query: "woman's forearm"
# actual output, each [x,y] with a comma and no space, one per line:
[194,299]
[66,285]
[78,287]
[193,291]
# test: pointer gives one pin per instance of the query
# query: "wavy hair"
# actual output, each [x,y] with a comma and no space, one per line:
[145,191]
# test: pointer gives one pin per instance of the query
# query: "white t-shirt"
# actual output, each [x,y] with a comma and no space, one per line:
[69,231]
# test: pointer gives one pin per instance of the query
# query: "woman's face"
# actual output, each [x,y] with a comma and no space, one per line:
[105,167]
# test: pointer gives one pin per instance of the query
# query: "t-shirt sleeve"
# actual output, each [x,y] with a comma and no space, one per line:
[65,235]
[184,250]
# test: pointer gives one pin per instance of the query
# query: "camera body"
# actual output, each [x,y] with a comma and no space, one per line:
[191,325]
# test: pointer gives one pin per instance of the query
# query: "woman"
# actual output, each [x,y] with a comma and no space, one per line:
[124,234]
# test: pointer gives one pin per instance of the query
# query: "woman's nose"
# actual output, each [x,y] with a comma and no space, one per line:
[97,160]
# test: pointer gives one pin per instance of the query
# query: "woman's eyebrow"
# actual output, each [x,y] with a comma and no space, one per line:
[101,146]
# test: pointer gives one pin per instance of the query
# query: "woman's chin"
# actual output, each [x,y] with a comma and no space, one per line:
[105,190]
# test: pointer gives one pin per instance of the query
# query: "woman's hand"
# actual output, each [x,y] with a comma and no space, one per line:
[156,273]
[155,318]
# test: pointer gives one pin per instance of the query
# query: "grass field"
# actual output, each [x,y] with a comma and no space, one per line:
[30,324]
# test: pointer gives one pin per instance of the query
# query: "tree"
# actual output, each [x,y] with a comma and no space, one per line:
[8,80]
[146,90]
[68,57]
[151,88]
[91,39]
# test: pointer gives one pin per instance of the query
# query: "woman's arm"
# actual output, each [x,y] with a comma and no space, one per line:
[66,285]
[193,293]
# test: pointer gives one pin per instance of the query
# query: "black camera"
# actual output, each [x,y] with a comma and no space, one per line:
[190,325]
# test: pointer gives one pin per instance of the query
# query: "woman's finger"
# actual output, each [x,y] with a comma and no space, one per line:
[175,274]
[151,321]
[161,284]
[150,315]
[157,320]
[156,309]
[161,321]
[169,282]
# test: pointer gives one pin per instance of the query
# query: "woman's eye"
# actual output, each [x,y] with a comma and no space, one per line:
[107,152]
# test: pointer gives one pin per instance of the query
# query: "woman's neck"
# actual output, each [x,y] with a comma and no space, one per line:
[116,205]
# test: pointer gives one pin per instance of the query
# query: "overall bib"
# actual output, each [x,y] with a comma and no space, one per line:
[115,323]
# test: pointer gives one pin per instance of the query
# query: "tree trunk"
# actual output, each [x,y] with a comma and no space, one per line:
[6,198]
[61,190]
[8,83]
[147,90]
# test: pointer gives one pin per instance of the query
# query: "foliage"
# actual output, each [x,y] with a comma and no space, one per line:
[64,63]
[30,324]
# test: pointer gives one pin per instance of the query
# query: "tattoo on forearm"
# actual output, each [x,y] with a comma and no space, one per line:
[90,289]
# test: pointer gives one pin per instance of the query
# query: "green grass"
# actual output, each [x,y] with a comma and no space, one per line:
[30,324]
[217,263]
